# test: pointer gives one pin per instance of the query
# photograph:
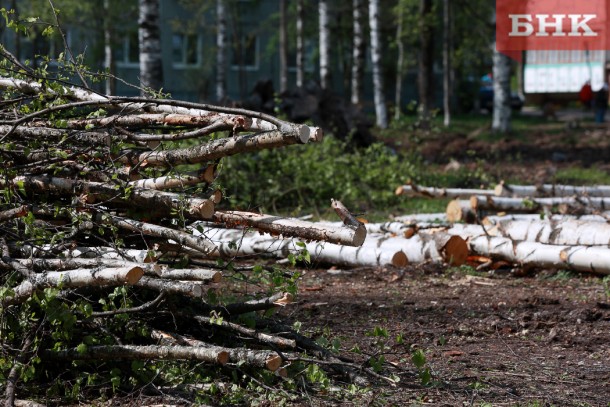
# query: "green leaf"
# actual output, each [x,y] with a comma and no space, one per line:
[81,348]
[419,358]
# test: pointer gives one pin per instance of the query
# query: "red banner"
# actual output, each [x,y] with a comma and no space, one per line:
[523,25]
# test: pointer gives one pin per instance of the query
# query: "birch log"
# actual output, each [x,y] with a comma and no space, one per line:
[147,198]
[235,242]
[460,210]
[194,242]
[14,213]
[206,175]
[73,279]
[290,227]
[532,254]
[438,248]
[211,354]
[528,205]
[562,232]
[533,191]
[413,190]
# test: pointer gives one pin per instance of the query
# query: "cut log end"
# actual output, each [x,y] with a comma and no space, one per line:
[216,277]
[400,190]
[206,209]
[499,190]
[399,259]
[359,236]
[216,196]
[134,275]
[456,251]
[273,362]
[454,211]
[223,357]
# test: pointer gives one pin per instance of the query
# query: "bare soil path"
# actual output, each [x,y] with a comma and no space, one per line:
[538,340]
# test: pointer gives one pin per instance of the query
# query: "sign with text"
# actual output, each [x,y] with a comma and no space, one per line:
[523,25]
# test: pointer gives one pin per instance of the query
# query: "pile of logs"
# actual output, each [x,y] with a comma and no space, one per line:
[99,192]
[546,226]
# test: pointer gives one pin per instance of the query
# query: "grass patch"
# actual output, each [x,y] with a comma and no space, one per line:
[582,176]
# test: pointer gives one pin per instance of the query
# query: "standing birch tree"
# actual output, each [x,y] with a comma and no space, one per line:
[358,53]
[446,63]
[426,60]
[324,44]
[221,34]
[381,113]
[501,86]
[149,38]
[300,43]
[283,48]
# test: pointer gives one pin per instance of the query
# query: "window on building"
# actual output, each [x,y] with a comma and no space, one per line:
[245,52]
[128,51]
[186,49]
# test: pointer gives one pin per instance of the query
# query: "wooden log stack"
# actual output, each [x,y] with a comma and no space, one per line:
[527,226]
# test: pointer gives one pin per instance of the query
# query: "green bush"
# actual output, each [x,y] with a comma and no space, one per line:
[309,176]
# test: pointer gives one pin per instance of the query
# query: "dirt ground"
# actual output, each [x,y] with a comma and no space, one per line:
[535,340]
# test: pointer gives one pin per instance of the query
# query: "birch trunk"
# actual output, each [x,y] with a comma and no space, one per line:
[358,52]
[531,254]
[498,203]
[216,149]
[324,33]
[288,227]
[234,242]
[283,45]
[446,63]
[149,37]
[501,86]
[109,64]
[381,113]
[221,34]
[210,354]
[194,242]
[300,43]
[562,232]
[533,191]
[400,62]
[73,279]
[412,190]
[426,62]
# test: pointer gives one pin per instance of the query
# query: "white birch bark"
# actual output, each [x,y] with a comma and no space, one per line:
[594,259]
[412,190]
[493,219]
[422,217]
[109,64]
[73,279]
[446,63]
[235,242]
[500,203]
[300,63]
[324,44]
[290,227]
[149,37]
[358,52]
[221,29]
[283,47]
[501,86]
[400,61]
[561,232]
[534,191]
[381,112]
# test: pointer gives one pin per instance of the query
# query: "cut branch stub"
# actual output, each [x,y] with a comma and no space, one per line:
[350,221]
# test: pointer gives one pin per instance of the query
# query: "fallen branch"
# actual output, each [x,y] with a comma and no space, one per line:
[261,337]
[210,354]
[74,279]
[14,213]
